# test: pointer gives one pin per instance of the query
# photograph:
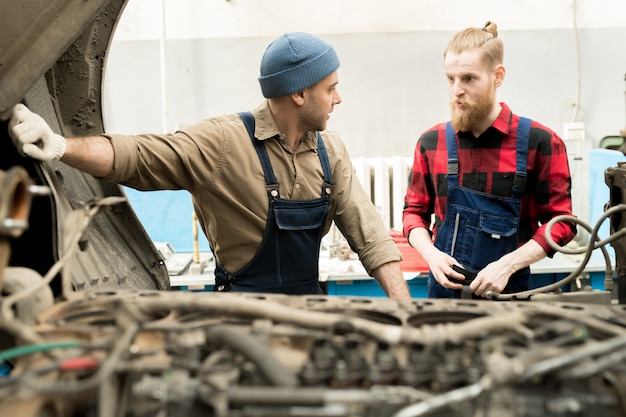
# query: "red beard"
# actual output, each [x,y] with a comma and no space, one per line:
[470,117]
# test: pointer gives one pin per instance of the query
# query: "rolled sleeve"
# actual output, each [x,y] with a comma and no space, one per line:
[125,160]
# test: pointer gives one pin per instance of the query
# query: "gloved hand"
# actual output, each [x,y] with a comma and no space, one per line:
[33,137]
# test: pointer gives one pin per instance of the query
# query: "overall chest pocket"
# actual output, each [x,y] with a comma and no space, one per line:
[495,237]
[482,238]
[300,215]
[498,226]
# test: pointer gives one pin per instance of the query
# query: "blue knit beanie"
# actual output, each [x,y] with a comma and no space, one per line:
[295,61]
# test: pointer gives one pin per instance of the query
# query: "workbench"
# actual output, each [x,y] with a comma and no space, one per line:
[348,277]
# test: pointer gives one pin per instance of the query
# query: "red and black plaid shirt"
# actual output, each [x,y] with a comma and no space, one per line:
[487,164]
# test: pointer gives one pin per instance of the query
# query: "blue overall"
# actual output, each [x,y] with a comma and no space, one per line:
[288,259]
[480,228]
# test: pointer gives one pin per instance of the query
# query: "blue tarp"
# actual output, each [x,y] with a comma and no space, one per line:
[167,217]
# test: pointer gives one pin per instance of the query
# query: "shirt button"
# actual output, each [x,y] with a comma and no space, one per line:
[297,186]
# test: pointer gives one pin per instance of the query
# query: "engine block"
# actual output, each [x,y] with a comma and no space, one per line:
[159,353]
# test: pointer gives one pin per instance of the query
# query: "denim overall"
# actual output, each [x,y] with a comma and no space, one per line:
[288,259]
[480,228]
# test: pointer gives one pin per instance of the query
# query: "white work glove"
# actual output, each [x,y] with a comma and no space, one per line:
[33,137]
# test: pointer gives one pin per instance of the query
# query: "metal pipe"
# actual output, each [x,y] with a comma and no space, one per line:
[15,203]
[623,131]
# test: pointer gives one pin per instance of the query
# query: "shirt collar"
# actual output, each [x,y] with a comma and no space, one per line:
[504,119]
[265,127]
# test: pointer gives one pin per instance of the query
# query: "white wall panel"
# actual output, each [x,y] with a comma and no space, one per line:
[202,59]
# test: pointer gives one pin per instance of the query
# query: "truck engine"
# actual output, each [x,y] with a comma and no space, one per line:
[155,353]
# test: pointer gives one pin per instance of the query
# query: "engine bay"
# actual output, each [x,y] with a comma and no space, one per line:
[155,353]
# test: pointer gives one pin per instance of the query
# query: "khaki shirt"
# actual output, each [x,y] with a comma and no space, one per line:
[215,161]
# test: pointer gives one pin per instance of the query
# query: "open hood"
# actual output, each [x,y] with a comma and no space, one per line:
[52,57]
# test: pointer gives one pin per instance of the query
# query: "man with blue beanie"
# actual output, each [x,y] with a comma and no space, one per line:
[266,185]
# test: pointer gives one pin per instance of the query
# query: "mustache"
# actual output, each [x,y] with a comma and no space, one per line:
[458,101]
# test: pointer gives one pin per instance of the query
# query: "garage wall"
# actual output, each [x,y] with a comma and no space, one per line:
[175,62]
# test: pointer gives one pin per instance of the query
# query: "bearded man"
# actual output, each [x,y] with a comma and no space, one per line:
[491,178]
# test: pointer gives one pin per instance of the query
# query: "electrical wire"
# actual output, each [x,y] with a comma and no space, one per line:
[596,243]
[106,369]
[42,347]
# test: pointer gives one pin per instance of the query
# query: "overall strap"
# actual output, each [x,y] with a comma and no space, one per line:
[270,179]
[327,187]
[453,156]
[521,151]
[271,183]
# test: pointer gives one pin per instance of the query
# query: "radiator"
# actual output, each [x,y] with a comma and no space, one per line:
[385,180]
